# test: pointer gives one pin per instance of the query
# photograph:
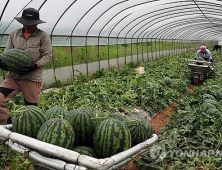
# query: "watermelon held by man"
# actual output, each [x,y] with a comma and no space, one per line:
[16,60]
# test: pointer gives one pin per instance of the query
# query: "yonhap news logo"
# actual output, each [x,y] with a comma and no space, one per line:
[158,153]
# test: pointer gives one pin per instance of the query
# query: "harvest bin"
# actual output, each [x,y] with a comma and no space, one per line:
[66,159]
[200,70]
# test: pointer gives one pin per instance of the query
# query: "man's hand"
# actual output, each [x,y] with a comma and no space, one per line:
[3,66]
[29,68]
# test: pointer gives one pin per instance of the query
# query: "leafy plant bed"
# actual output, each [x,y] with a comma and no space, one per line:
[192,138]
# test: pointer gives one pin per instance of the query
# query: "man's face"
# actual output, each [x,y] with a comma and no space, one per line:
[203,50]
[30,28]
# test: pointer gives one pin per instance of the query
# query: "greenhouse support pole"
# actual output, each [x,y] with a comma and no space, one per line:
[137,49]
[142,51]
[174,52]
[147,51]
[117,51]
[125,46]
[98,52]
[151,48]
[86,46]
[155,50]
[177,46]
[53,62]
[108,55]
[131,49]
[72,59]
[162,45]
[180,45]
[159,48]
[183,45]
[188,45]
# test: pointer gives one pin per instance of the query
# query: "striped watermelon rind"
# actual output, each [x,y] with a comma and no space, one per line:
[166,81]
[98,117]
[214,102]
[16,60]
[140,130]
[57,131]
[83,125]
[84,150]
[56,111]
[28,120]
[111,137]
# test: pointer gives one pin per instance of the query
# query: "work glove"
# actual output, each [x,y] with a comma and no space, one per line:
[3,66]
[28,69]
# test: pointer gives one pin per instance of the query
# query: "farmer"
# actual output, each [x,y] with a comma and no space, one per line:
[38,45]
[204,53]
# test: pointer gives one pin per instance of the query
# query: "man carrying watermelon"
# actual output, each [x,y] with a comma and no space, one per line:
[25,78]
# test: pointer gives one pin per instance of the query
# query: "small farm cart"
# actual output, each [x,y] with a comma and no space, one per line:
[200,70]
[65,159]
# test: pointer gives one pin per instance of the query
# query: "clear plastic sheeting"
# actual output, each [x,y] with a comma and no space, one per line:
[163,19]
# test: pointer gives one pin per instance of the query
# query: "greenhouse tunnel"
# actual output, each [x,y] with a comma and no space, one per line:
[90,35]
[130,85]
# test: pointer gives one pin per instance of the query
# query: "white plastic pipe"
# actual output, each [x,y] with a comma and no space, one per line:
[134,150]
[59,152]
[74,157]
[37,158]
[102,164]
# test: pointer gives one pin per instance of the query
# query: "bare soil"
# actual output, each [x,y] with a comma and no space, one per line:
[158,123]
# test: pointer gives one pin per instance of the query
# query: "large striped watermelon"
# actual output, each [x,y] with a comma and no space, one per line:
[83,125]
[111,137]
[84,150]
[57,131]
[98,117]
[56,111]
[118,116]
[140,130]
[16,60]
[28,120]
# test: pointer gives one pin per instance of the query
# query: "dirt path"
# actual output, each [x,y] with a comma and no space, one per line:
[162,118]
[159,122]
